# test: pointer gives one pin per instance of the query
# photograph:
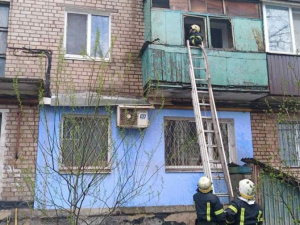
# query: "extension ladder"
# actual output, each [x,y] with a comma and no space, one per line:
[208,104]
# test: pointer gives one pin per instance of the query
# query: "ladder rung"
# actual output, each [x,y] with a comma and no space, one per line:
[213,146]
[222,194]
[197,57]
[204,104]
[201,79]
[199,68]
[209,131]
[215,161]
[206,117]
[205,92]
[218,178]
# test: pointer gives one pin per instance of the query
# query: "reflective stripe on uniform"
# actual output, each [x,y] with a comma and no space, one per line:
[219,212]
[233,209]
[208,212]
[259,219]
[242,218]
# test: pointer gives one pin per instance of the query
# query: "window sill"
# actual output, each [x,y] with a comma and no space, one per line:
[89,170]
[87,58]
[189,169]
[284,53]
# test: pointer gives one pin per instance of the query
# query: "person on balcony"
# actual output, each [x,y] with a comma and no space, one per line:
[195,38]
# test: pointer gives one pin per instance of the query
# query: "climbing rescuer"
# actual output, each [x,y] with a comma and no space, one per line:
[244,210]
[195,38]
[208,207]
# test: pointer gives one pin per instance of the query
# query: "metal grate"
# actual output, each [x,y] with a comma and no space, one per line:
[85,141]
[289,142]
[181,146]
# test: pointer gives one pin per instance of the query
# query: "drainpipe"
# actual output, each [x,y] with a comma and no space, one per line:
[18,133]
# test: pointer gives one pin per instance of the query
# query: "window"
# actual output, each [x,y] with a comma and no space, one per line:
[282,29]
[289,142]
[160,3]
[4,11]
[85,142]
[220,31]
[0,123]
[87,35]
[181,145]
[240,8]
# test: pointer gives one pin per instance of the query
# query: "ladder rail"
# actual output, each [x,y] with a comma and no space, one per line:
[215,121]
[199,123]
[216,125]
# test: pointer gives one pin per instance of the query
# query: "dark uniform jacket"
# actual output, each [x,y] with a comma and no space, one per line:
[209,209]
[195,39]
[240,212]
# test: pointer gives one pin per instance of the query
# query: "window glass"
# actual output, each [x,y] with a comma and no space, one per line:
[100,36]
[289,142]
[198,5]
[215,6]
[179,5]
[3,42]
[85,141]
[296,21]
[279,30]
[4,11]
[221,33]
[161,3]
[2,67]
[244,9]
[76,34]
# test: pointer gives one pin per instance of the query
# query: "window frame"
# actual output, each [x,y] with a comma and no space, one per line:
[87,169]
[266,34]
[207,31]
[297,145]
[195,168]
[5,30]
[89,14]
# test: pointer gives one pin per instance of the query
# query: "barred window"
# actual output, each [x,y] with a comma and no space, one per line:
[85,142]
[4,12]
[182,150]
[289,142]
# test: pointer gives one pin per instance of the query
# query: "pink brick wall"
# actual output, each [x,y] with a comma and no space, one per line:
[39,24]
[19,151]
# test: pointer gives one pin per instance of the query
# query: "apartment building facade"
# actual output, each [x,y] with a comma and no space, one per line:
[104,68]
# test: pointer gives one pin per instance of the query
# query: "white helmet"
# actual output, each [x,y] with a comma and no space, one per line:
[195,27]
[205,184]
[247,189]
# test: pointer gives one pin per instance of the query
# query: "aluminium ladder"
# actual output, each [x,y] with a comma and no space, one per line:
[202,139]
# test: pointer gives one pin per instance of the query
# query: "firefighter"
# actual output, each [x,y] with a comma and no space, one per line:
[244,210]
[208,207]
[195,38]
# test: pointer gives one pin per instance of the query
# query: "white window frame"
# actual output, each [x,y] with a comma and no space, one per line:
[290,7]
[89,14]
[88,169]
[3,148]
[231,146]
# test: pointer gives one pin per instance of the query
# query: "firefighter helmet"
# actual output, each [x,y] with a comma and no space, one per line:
[247,189]
[195,27]
[205,184]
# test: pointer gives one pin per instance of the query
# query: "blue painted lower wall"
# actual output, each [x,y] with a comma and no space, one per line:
[159,188]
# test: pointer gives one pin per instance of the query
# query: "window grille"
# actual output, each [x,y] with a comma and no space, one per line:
[182,150]
[85,142]
[289,142]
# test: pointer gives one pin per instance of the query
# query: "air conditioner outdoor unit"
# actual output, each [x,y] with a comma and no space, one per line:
[132,116]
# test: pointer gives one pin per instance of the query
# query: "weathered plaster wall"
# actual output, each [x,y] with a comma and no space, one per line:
[174,188]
